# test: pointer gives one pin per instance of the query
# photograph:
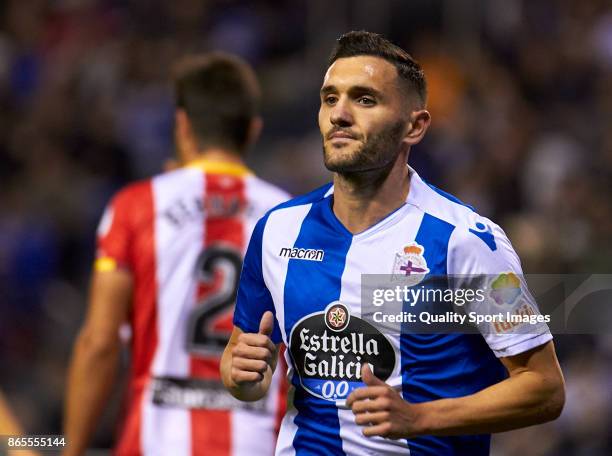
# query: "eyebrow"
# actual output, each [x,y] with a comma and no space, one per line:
[359,89]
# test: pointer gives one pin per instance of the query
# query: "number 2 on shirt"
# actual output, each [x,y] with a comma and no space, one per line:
[202,336]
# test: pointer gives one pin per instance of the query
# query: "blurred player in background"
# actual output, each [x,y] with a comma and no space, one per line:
[359,391]
[169,258]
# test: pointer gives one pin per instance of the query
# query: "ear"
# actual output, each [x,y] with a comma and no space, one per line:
[417,126]
[255,128]
[185,141]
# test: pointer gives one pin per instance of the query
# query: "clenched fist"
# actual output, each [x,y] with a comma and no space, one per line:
[253,353]
[381,410]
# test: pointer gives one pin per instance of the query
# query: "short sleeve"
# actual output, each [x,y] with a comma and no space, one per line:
[483,255]
[113,237]
[254,298]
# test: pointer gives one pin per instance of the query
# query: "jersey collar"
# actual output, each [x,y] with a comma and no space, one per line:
[220,167]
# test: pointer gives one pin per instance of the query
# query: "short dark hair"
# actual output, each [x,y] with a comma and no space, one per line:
[221,95]
[357,43]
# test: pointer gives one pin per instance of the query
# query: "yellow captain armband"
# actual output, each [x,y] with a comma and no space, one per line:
[105,264]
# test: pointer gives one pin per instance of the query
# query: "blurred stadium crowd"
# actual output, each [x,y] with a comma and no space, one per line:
[521,99]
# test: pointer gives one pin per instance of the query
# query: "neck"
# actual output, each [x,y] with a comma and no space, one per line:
[363,199]
[215,155]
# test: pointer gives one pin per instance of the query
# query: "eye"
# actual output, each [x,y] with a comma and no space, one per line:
[330,99]
[366,101]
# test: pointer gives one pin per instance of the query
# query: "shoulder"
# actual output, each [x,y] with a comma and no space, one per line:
[122,216]
[168,181]
[480,246]
[440,204]
[302,201]
[131,207]
[468,224]
[485,246]
[474,236]
[290,212]
[131,195]
[264,193]
[317,194]
[178,178]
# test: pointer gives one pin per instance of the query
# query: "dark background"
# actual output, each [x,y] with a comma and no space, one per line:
[521,99]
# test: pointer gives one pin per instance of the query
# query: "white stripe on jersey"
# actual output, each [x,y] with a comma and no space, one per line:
[260,195]
[254,433]
[288,429]
[428,200]
[399,227]
[175,273]
[167,430]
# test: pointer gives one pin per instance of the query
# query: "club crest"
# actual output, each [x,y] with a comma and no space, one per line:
[410,265]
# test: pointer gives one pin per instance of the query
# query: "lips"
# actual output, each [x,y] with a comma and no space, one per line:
[340,135]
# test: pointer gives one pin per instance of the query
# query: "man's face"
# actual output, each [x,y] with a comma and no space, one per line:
[363,114]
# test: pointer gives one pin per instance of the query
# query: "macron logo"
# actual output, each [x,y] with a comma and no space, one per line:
[302,254]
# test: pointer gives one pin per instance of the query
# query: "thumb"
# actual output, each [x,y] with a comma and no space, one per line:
[369,378]
[266,325]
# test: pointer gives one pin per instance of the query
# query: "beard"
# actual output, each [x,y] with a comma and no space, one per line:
[379,152]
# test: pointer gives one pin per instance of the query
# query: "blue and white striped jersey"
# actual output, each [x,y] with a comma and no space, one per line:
[306,267]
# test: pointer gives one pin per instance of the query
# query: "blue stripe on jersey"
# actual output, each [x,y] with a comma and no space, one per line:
[309,287]
[253,298]
[318,426]
[444,365]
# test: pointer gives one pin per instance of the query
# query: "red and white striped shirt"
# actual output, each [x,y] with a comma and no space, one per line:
[183,234]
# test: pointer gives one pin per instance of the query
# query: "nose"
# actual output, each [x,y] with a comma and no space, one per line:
[340,114]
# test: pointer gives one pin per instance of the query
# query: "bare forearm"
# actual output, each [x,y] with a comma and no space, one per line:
[91,376]
[521,400]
